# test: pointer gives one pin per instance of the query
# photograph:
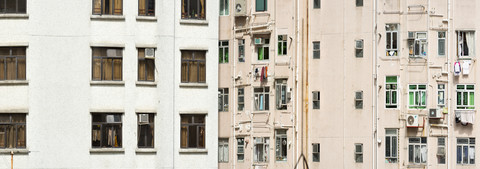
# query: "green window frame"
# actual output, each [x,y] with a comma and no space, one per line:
[282,45]
[465,96]
[417,96]
[391,92]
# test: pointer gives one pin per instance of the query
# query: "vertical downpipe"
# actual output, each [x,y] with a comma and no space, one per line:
[234,112]
[375,87]
[449,84]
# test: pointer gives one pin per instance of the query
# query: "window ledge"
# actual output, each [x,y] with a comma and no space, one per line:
[193,22]
[260,112]
[14,151]
[13,82]
[107,83]
[146,150]
[196,151]
[416,166]
[13,16]
[146,18]
[107,150]
[146,83]
[389,58]
[194,85]
[464,58]
[107,17]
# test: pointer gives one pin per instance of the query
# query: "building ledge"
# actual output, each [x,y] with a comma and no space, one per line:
[146,18]
[193,151]
[107,150]
[108,17]
[193,22]
[14,151]
[107,83]
[146,151]
[194,85]
[13,82]
[13,16]
[146,83]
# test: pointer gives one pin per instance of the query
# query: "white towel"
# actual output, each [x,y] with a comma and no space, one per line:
[465,67]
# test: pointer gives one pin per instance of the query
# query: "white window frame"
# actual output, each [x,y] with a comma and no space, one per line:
[241,149]
[466,92]
[281,94]
[390,91]
[418,94]
[441,37]
[441,95]
[259,102]
[223,151]
[393,145]
[441,158]
[224,8]
[241,99]
[391,51]
[419,43]
[282,43]
[460,41]
[280,139]
[263,156]
[359,45]
[241,50]
[223,49]
[417,145]
[223,99]
[466,157]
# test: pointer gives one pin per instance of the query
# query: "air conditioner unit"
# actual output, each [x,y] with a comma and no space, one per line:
[110,119]
[149,53]
[411,35]
[240,8]
[282,37]
[143,118]
[412,120]
[259,41]
[441,151]
[359,44]
[289,95]
[435,114]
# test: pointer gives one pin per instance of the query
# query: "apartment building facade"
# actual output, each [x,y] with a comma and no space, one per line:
[108,84]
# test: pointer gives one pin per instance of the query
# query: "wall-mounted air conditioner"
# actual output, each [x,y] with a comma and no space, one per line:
[240,8]
[150,53]
[435,113]
[259,41]
[143,118]
[412,120]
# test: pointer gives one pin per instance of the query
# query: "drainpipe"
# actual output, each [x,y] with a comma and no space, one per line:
[297,51]
[173,87]
[375,88]
[11,164]
[428,76]
[449,84]
[234,89]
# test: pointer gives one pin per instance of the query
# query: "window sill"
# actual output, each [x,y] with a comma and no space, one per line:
[13,82]
[193,151]
[146,83]
[14,151]
[146,150]
[107,150]
[193,22]
[416,166]
[147,18]
[464,58]
[260,112]
[107,83]
[13,16]
[194,85]
[107,17]
[389,58]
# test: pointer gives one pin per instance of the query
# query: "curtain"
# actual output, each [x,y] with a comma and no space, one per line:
[118,7]
[107,69]
[96,69]
[21,68]
[117,69]
[2,136]
[183,137]
[141,64]
[2,68]
[470,37]
[10,137]
[202,9]
[11,72]
[193,71]
[97,6]
[21,136]
[184,6]
[141,7]
[150,66]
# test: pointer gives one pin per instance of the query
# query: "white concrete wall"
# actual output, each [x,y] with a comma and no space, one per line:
[59,96]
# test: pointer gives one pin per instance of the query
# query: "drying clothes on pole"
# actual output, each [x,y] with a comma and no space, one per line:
[456,69]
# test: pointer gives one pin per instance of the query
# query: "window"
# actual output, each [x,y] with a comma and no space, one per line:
[391,92]
[224,8]
[241,50]
[146,64]
[316,152]
[240,149]
[417,96]
[222,99]
[146,130]
[193,9]
[107,64]
[106,130]
[282,44]
[316,4]
[417,150]
[359,153]
[417,44]
[260,5]
[241,99]
[223,150]
[281,145]
[441,95]
[261,149]
[263,50]
[391,145]
[465,96]
[315,100]
[281,94]
[223,51]
[13,63]
[261,98]
[465,150]
[441,43]
[146,7]
[107,7]
[13,6]
[392,39]
[359,48]
[316,50]
[465,43]
[359,3]
[441,150]
[193,66]
[359,100]
[192,131]
[12,131]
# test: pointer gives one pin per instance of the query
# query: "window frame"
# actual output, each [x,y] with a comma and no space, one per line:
[391,145]
[265,103]
[441,95]
[392,33]
[359,100]
[151,124]
[318,5]
[242,148]
[107,125]
[359,50]
[442,36]
[460,50]
[441,158]
[15,58]
[264,142]
[222,97]
[13,126]
[418,93]
[146,60]
[241,50]
[198,129]
[417,153]
[316,51]
[316,99]
[281,94]
[102,12]
[282,45]
[198,62]
[281,150]
[223,144]
[147,10]
[358,154]
[266,50]
[465,92]
[389,93]
[316,152]
[265,6]
[418,44]
[241,104]
[223,51]
[186,16]
[470,143]
[17,9]
[110,58]
[224,8]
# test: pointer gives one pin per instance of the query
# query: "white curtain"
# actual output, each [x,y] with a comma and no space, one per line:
[470,36]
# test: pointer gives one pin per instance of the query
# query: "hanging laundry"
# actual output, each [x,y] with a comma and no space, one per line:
[266,76]
[261,76]
[456,69]
[465,67]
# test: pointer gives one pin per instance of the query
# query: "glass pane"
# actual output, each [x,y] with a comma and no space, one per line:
[410,98]
[201,137]
[417,153]
[107,69]
[459,154]
[387,146]
[394,146]
[410,153]
[21,136]
[394,40]
[183,136]
[391,79]
[2,68]
[151,8]
[11,69]
[11,6]
[21,68]
[150,66]
[96,135]
[465,154]
[117,69]
[471,98]
[441,47]
[3,135]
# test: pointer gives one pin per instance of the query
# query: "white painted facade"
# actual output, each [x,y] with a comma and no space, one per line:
[60,95]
